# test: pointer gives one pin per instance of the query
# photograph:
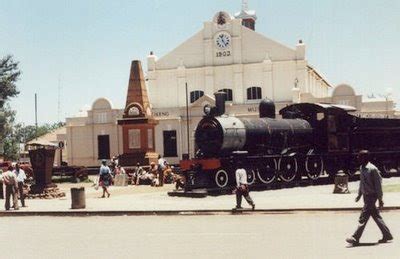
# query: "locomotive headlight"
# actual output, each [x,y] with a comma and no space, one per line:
[207,109]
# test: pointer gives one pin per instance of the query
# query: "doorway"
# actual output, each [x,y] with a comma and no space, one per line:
[103,147]
[170,145]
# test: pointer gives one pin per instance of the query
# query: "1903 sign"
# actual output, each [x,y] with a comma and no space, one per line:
[225,53]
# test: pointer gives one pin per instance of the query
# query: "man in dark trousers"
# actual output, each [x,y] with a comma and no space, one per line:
[10,181]
[371,190]
[242,189]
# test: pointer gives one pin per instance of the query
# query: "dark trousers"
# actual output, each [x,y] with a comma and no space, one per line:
[1,191]
[243,190]
[11,191]
[369,210]
[21,193]
[161,177]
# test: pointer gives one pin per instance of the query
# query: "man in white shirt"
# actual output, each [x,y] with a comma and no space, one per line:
[242,188]
[161,167]
[21,177]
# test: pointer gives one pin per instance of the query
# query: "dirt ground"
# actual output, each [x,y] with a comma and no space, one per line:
[115,190]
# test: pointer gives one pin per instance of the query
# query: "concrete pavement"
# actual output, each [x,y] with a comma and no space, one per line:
[299,235]
[146,198]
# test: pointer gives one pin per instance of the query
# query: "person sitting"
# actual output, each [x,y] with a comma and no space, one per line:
[155,173]
[146,177]
[121,169]
[137,174]
[168,173]
[179,181]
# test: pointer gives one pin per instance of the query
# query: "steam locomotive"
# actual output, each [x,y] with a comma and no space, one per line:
[309,140]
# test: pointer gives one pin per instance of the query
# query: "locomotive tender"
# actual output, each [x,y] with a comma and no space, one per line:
[309,140]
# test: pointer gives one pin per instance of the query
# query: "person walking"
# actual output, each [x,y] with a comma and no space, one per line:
[242,189]
[105,178]
[10,181]
[21,177]
[161,167]
[371,191]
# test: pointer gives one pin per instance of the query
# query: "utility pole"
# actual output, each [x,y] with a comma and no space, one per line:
[36,123]
[187,122]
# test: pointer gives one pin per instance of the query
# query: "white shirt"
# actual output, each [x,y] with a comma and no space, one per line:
[161,163]
[21,176]
[241,177]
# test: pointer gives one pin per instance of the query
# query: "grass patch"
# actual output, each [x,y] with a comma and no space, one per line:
[391,188]
[385,188]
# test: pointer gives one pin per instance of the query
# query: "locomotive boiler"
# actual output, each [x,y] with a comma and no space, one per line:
[308,140]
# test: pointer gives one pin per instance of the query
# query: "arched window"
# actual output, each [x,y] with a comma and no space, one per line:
[254,93]
[194,95]
[228,92]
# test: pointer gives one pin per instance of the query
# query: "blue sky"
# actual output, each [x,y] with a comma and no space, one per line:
[86,46]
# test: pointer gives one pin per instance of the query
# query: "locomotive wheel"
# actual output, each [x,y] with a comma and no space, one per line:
[287,169]
[314,167]
[251,176]
[221,178]
[267,174]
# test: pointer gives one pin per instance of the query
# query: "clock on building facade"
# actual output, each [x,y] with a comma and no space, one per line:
[223,43]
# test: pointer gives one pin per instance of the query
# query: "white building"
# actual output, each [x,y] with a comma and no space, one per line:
[228,55]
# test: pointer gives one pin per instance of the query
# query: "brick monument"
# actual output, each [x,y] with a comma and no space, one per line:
[137,122]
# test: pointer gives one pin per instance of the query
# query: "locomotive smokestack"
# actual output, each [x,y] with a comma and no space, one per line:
[220,103]
[267,109]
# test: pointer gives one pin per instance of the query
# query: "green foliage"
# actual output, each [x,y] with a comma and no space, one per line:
[12,134]
[25,134]
[9,75]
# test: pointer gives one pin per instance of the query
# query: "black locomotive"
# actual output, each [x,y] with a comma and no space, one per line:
[309,140]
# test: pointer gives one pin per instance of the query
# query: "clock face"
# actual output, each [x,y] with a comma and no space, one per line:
[223,40]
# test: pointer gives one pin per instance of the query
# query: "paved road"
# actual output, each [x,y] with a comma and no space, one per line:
[300,235]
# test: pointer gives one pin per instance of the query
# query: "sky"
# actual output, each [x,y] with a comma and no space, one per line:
[73,52]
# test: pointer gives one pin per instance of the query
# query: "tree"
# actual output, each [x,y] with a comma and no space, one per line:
[9,75]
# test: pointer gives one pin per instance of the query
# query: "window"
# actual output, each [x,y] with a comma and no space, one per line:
[254,93]
[101,117]
[134,138]
[228,94]
[194,95]
[344,102]
[150,138]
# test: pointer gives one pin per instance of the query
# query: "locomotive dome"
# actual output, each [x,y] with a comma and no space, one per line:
[267,108]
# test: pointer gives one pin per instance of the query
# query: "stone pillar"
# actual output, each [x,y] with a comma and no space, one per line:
[238,89]
[268,82]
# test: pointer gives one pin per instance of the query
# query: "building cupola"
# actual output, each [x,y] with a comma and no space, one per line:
[248,17]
